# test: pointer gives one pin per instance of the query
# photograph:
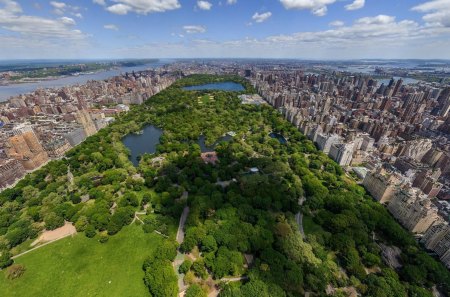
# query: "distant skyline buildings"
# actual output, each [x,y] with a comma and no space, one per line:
[306,29]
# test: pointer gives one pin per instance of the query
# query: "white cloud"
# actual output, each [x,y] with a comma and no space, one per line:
[378,20]
[121,9]
[111,27]
[191,29]
[259,18]
[58,5]
[68,21]
[61,8]
[321,11]
[337,23]
[142,6]
[437,12]
[204,5]
[231,2]
[78,15]
[34,27]
[100,2]
[357,4]
[317,7]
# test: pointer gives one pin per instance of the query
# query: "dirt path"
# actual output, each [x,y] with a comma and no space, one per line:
[234,279]
[136,214]
[51,236]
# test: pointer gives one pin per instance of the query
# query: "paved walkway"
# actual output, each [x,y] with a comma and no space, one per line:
[180,238]
[299,217]
[180,232]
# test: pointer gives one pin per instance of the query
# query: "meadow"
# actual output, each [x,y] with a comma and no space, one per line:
[81,266]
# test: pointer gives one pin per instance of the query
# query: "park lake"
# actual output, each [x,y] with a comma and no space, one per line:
[143,142]
[278,136]
[146,141]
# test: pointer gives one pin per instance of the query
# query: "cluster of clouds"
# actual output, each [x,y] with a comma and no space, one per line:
[437,12]
[373,36]
[15,21]
[39,35]
[319,7]
[380,36]
[144,7]
[61,8]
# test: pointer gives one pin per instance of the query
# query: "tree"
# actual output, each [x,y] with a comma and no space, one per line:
[195,291]
[129,199]
[209,244]
[414,274]
[90,231]
[185,266]
[167,250]
[255,288]
[160,278]
[198,267]
[5,258]
[53,221]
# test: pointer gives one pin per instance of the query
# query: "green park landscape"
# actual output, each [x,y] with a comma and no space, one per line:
[247,231]
[80,266]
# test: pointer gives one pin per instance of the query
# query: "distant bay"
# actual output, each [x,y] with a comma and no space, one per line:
[8,91]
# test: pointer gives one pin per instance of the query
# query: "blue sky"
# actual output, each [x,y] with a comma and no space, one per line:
[311,29]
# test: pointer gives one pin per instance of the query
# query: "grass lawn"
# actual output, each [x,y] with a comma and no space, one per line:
[80,266]
[205,99]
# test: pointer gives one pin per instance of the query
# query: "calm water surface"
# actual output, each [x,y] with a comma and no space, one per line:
[16,89]
[279,137]
[139,144]
[222,86]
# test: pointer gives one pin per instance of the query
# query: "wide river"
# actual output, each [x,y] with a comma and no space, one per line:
[16,89]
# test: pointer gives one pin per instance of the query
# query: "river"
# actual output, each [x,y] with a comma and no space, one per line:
[16,89]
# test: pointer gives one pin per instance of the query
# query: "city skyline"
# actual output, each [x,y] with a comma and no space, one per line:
[315,29]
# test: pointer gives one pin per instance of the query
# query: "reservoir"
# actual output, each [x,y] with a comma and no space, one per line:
[16,89]
[222,86]
[139,144]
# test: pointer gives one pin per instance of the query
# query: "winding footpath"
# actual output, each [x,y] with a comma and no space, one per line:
[299,217]
[180,232]
[180,257]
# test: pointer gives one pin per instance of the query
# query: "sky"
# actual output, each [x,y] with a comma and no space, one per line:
[304,29]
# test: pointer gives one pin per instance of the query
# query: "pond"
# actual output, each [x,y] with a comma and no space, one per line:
[207,149]
[222,86]
[278,136]
[144,142]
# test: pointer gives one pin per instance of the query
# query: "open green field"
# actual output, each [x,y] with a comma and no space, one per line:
[205,99]
[80,266]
